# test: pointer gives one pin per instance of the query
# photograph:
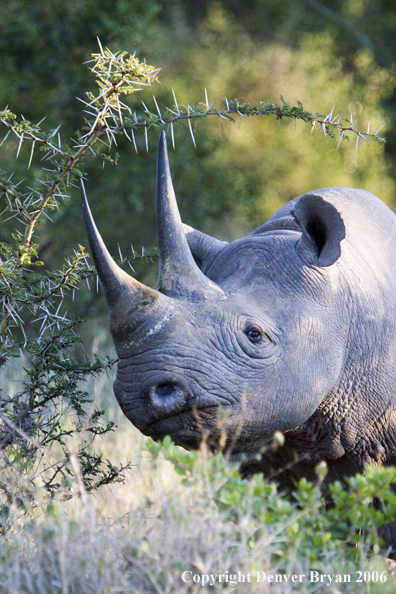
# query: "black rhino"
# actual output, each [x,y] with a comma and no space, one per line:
[291,329]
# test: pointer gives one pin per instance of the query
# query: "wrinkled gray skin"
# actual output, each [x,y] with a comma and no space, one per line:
[292,329]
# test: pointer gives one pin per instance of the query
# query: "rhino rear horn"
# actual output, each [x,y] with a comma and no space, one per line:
[179,275]
[323,230]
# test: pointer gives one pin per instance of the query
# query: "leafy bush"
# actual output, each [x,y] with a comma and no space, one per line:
[351,524]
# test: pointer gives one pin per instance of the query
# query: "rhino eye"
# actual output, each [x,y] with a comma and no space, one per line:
[254,334]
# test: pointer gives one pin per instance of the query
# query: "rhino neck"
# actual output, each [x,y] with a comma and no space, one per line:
[347,431]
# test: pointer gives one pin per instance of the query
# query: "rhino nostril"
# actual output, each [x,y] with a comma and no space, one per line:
[165,389]
[167,398]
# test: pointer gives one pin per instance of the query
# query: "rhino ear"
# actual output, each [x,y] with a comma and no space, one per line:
[203,247]
[323,229]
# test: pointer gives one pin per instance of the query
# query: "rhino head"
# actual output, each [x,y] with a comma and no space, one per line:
[240,339]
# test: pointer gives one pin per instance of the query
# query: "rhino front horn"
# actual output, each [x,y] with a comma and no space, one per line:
[179,276]
[114,281]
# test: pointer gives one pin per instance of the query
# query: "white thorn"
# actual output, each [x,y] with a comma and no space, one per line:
[158,109]
[5,137]
[134,141]
[31,154]
[126,134]
[207,100]
[379,129]
[19,147]
[191,132]
[100,47]
[121,258]
[173,136]
[176,104]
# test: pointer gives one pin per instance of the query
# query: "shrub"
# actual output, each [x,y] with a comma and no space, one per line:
[350,524]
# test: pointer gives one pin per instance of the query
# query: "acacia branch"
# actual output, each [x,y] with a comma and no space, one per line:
[54,186]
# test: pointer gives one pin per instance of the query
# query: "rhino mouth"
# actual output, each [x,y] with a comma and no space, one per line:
[187,428]
[169,406]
